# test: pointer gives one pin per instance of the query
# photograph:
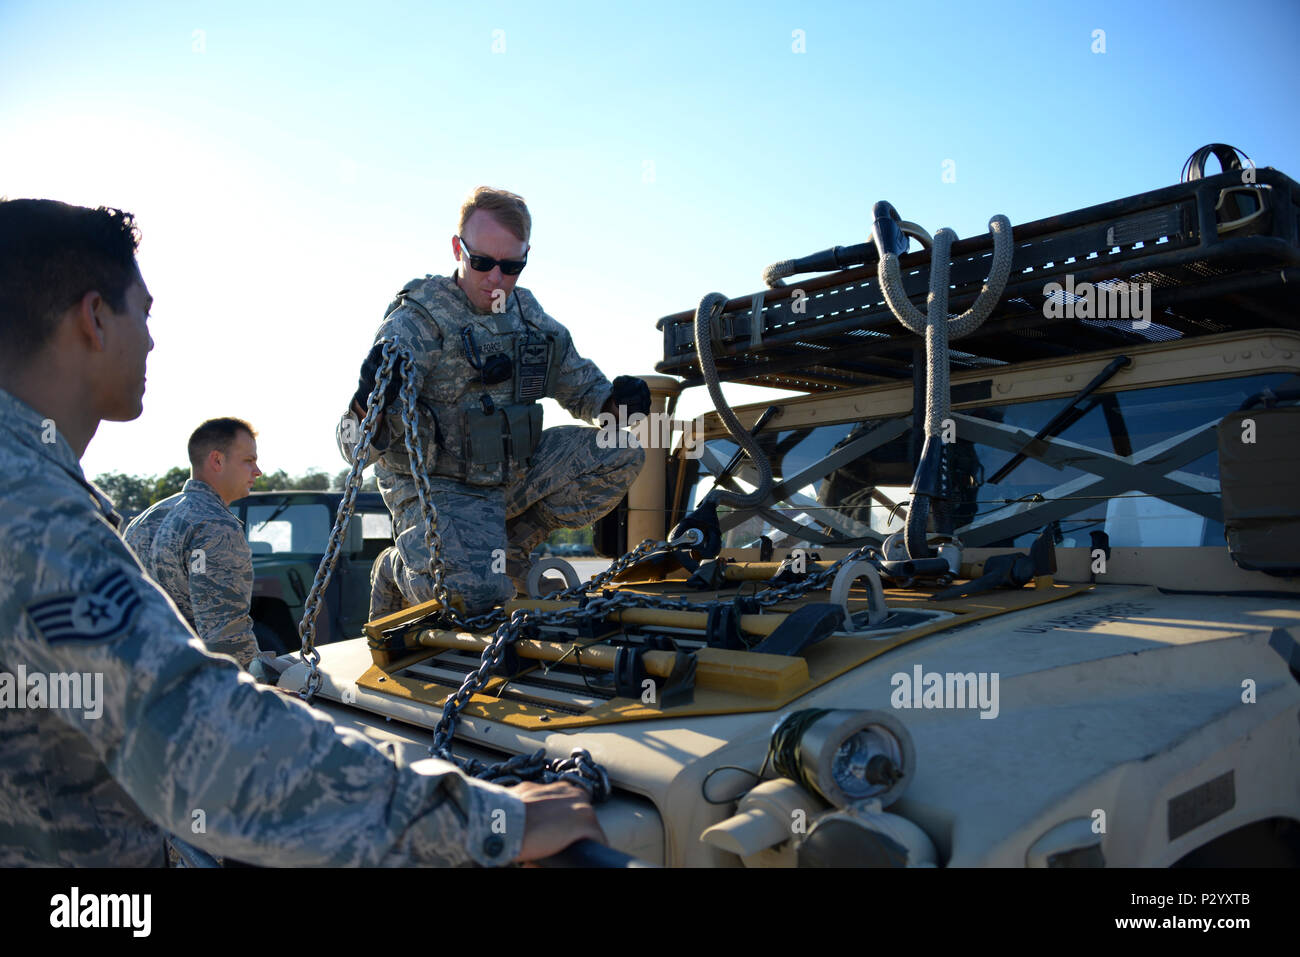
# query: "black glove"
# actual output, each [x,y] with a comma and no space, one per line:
[366,384]
[632,393]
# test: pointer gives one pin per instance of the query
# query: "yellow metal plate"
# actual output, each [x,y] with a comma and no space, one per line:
[727,682]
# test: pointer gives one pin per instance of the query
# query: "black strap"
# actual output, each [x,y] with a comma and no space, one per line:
[679,688]
[630,674]
[710,576]
[723,628]
[1229,158]
[1015,569]
[801,628]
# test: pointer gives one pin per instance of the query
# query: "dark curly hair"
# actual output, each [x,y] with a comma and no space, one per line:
[51,255]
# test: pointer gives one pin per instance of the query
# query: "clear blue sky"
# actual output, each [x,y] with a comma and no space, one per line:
[291,169]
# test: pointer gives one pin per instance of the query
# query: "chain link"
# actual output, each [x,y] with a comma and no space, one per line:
[815,581]
[616,568]
[579,767]
[415,453]
[351,485]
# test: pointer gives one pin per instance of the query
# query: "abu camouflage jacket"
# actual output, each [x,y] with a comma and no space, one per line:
[194,547]
[116,725]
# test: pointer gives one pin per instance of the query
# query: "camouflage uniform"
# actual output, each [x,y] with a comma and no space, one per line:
[490,516]
[181,731]
[194,547]
[385,598]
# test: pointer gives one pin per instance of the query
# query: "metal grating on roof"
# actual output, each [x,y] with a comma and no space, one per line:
[838,333]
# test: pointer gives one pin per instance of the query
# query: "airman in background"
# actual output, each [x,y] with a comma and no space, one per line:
[195,548]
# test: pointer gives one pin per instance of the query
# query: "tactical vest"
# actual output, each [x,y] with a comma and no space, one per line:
[484,432]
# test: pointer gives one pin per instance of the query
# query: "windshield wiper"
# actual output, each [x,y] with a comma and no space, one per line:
[1062,419]
[274,515]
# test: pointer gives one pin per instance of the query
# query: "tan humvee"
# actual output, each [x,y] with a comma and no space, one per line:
[1125,693]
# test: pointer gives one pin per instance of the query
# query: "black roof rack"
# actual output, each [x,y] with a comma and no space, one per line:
[842,335]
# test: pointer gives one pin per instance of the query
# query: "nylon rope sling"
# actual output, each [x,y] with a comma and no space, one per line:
[930,485]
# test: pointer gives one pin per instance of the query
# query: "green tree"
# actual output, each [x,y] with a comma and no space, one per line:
[571,536]
[272,481]
[313,481]
[169,484]
[131,494]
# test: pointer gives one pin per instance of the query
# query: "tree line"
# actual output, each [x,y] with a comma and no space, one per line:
[132,494]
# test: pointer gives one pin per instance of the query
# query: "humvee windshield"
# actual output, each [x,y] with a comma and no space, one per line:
[1140,465]
[288,528]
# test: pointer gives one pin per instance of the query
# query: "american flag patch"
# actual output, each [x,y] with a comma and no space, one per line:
[85,616]
[532,386]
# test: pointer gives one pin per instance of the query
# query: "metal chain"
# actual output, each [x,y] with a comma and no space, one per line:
[579,767]
[815,581]
[415,453]
[351,485]
[492,619]
[616,568]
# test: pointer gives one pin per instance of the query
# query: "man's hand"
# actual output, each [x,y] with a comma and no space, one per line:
[557,815]
[631,393]
[366,383]
[348,432]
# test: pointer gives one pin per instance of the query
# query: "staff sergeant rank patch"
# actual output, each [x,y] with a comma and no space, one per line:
[89,615]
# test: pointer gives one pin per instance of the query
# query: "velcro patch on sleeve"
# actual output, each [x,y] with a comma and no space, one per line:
[102,611]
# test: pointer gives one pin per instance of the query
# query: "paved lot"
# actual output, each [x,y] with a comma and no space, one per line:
[585,567]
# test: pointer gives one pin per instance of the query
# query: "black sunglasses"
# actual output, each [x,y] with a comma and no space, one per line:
[509,267]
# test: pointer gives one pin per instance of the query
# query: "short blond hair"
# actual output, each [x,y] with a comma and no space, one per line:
[507,208]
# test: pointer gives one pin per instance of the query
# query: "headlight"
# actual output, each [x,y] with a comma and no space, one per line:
[845,756]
